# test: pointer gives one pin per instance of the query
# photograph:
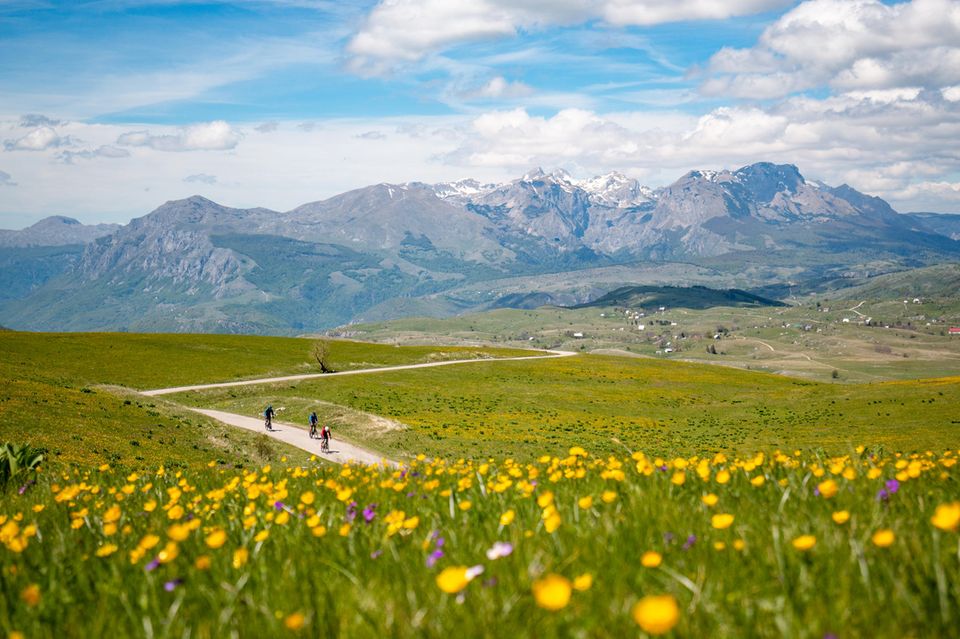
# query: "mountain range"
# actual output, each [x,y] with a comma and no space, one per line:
[400,249]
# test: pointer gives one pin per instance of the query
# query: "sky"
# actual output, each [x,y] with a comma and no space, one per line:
[108,108]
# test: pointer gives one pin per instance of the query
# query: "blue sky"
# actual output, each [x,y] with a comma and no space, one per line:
[279,103]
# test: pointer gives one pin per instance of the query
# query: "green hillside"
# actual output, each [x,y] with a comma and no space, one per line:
[523,409]
[70,393]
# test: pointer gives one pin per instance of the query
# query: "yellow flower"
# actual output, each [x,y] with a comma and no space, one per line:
[176,512]
[465,505]
[758,480]
[318,531]
[545,499]
[883,538]
[294,621]
[721,520]
[552,592]
[345,530]
[240,557]
[202,562]
[306,498]
[282,518]
[260,536]
[411,523]
[106,550]
[678,478]
[739,544]
[656,614]
[31,595]
[947,516]
[507,518]
[38,508]
[169,553]
[804,543]
[109,529]
[840,517]
[178,532]
[719,545]
[216,538]
[149,541]
[453,579]
[585,503]
[710,499]
[723,476]
[112,514]
[651,559]
[827,488]
[583,582]
[150,506]
[608,496]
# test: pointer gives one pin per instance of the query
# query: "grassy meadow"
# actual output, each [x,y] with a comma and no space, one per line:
[775,545]
[610,404]
[72,393]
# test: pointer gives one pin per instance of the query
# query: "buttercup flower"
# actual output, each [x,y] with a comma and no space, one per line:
[656,614]
[552,592]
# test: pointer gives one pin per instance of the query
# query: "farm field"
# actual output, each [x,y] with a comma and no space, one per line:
[809,340]
[775,545]
[609,404]
[72,394]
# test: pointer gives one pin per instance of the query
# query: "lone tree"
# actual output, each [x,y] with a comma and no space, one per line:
[321,353]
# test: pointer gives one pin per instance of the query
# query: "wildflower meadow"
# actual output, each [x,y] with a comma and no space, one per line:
[784,544]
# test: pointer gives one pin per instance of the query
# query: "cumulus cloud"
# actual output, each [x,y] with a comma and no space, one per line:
[399,31]
[201,178]
[105,151]
[846,45]
[39,139]
[6,179]
[209,136]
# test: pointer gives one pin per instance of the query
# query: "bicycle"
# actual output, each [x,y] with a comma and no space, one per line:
[325,445]
[313,431]
[268,423]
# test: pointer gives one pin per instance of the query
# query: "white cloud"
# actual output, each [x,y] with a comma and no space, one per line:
[847,45]
[403,31]
[371,135]
[104,151]
[32,120]
[201,178]
[267,127]
[6,179]
[210,136]
[501,88]
[39,139]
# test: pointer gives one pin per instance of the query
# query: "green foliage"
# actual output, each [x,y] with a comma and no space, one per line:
[16,459]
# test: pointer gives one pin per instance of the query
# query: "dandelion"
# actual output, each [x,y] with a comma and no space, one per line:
[947,516]
[656,614]
[651,559]
[294,621]
[583,582]
[216,538]
[804,543]
[721,521]
[453,579]
[552,592]
[240,557]
[883,538]
[840,517]
[31,595]
[827,488]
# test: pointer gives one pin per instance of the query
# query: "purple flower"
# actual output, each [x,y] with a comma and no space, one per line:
[369,513]
[816,491]
[433,557]
[882,495]
[892,486]
[411,494]
[25,487]
[439,542]
[662,468]
[172,584]
[375,554]
[152,565]
[351,511]
[691,540]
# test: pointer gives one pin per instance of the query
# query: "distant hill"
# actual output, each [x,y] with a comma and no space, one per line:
[694,297]
[55,231]
[940,281]
[386,250]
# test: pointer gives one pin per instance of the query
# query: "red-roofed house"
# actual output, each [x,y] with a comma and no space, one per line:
[954,330]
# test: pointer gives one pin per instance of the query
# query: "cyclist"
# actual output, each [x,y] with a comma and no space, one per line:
[325,439]
[313,425]
[268,417]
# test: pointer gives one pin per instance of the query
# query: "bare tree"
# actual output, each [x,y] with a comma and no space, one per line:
[321,353]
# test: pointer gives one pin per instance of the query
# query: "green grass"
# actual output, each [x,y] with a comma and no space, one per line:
[68,393]
[228,560]
[525,408]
